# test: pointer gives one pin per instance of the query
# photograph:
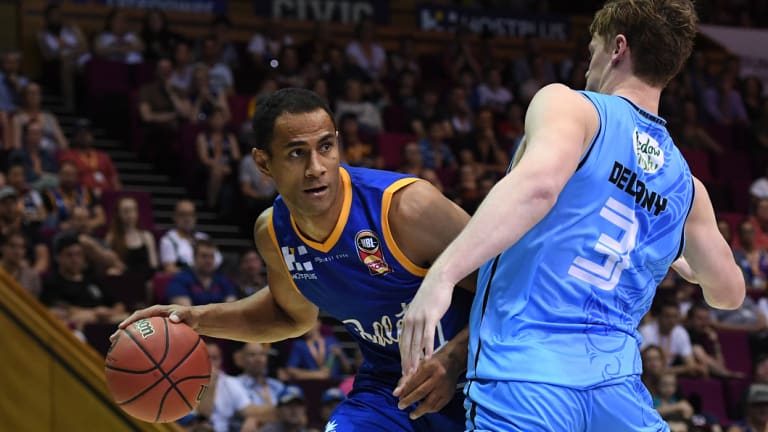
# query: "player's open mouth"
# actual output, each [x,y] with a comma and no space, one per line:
[316,191]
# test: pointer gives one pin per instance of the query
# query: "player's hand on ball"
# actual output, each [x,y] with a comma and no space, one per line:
[175,313]
[417,337]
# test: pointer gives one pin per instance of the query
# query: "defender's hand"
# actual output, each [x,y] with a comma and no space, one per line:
[417,337]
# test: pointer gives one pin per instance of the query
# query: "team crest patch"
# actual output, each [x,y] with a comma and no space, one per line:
[649,156]
[369,251]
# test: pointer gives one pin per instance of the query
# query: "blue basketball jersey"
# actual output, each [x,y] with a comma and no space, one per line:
[359,275]
[562,305]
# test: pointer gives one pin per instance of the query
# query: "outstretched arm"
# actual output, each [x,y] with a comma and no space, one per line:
[273,314]
[558,127]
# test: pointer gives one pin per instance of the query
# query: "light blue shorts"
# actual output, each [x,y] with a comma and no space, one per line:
[620,406]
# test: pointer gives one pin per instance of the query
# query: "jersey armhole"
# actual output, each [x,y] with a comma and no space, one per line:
[681,248]
[386,201]
[591,146]
[273,236]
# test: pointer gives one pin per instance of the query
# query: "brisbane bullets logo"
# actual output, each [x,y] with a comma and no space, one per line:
[369,251]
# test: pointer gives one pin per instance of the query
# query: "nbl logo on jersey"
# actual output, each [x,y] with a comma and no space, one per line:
[369,251]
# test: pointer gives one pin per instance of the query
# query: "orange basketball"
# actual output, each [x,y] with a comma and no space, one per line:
[157,370]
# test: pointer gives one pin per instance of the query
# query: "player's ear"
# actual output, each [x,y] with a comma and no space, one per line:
[261,158]
[619,48]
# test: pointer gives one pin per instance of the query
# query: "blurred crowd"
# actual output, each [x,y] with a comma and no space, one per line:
[77,240]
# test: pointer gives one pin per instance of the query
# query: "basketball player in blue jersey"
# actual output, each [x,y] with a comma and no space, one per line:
[355,243]
[575,238]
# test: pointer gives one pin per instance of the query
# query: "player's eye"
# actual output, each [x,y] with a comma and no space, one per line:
[326,147]
[296,153]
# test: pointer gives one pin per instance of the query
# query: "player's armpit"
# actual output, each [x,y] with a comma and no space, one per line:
[709,256]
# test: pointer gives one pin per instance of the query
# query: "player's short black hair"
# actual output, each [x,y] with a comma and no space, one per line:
[288,100]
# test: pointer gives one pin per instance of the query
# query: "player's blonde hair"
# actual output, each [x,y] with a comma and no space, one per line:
[659,33]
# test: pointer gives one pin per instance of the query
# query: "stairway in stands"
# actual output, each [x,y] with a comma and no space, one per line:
[141,176]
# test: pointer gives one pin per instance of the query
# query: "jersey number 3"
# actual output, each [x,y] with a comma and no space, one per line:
[616,251]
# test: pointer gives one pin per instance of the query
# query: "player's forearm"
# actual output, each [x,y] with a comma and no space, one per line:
[457,351]
[511,209]
[256,318]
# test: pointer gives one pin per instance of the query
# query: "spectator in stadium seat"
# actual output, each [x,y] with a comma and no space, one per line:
[692,134]
[161,107]
[159,40]
[675,410]
[219,154]
[435,153]
[365,52]
[537,80]
[522,67]
[487,153]
[654,365]
[201,284]
[12,220]
[510,129]
[314,50]
[39,164]
[267,46]
[290,73]
[706,342]
[100,259]
[368,115]
[176,250]
[252,276]
[667,333]
[291,412]
[413,164]
[460,116]
[758,190]
[405,59]
[756,410]
[134,246]
[747,318]
[64,49]
[13,262]
[95,167]
[204,98]
[31,200]
[759,222]
[262,390]
[73,294]
[338,70]
[11,80]
[725,230]
[429,108]
[462,58]
[492,93]
[117,42]
[329,401]
[752,259]
[357,152]
[226,402]
[219,74]
[752,94]
[31,111]
[316,356]
[183,68]
[723,103]
[61,200]
[221,28]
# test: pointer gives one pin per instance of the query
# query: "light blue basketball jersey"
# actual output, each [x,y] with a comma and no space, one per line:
[562,305]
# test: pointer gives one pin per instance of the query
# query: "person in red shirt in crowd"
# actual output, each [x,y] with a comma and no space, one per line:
[97,172]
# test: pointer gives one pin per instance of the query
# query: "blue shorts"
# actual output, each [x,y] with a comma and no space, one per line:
[620,406]
[371,407]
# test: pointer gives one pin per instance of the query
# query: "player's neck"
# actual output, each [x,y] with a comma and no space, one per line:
[641,94]
[320,226]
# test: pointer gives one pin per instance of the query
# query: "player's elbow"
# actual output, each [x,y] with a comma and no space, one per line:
[730,292]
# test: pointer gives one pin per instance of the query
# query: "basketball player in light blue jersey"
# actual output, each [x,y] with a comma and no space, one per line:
[355,243]
[572,243]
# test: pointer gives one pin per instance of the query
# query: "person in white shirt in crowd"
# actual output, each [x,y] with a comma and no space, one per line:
[368,115]
[220,74]
[183,68]
[366,53]
[176,246]
[262,390]
[668,333]
[226,400]
[117,42]
[63,46]
[492,93]
[267,46]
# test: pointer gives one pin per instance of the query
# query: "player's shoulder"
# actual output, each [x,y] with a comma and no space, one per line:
[562,96]
[262,229]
